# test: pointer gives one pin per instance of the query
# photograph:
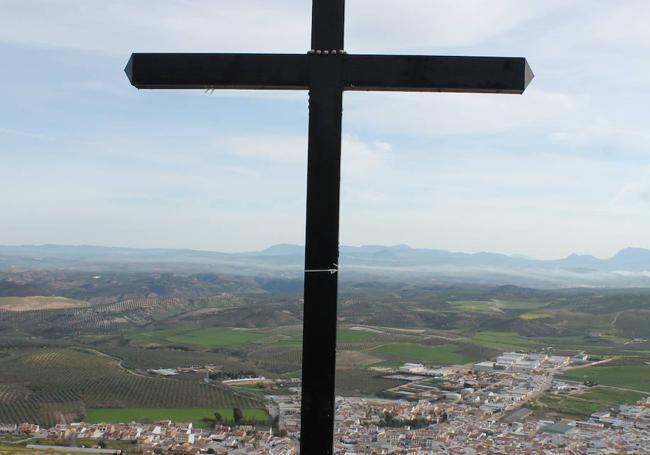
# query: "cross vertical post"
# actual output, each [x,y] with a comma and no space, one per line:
[326,71]
[322,228]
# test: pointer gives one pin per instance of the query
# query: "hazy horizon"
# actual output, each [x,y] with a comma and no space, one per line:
[253,250]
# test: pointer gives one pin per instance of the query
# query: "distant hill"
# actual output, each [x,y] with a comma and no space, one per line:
[631,259]
[629,267]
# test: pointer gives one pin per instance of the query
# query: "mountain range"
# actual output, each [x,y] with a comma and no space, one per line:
[629,267]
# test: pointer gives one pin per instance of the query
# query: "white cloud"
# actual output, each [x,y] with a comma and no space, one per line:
[600,27]
[362,160]
[434,114]
[358,159]
[379,26]
[283,149]
[257,26]
[119,26]
[637,190]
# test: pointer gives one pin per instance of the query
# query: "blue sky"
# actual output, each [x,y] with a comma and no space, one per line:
[88,159]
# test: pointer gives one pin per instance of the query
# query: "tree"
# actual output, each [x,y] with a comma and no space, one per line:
[237,415]
[275,425]
[218,417]
[389,419]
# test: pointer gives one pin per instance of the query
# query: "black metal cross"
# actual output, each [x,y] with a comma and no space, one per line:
[326,71]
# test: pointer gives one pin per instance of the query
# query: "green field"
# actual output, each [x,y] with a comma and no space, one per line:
[474,306]
[6,449]
[409,352]
[195,415]
[635,377]
[518,304]
[492,306]
[503,341]
[343,335]
[210,337]
[583,405]
[347,335]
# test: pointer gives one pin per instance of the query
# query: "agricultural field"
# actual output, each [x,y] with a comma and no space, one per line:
[519,304]
[207,337]
[494,305]
[94,319]
[194,415]
[534,316]
[279,358]
[353,358]
[635,323]
[504,341]
[635,377]
[39,303]
[581,406]
[344,335]
[62,446]
[90,357]
[475,306]
[45,386]
[6,449]
[354,335]
[138,358]
[410,352]
[362,382]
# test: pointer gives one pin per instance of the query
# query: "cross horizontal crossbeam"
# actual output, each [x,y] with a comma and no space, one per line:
[226,71]
[360,72]
[420,73]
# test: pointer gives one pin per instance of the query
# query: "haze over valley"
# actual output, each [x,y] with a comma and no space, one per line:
[630,267]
